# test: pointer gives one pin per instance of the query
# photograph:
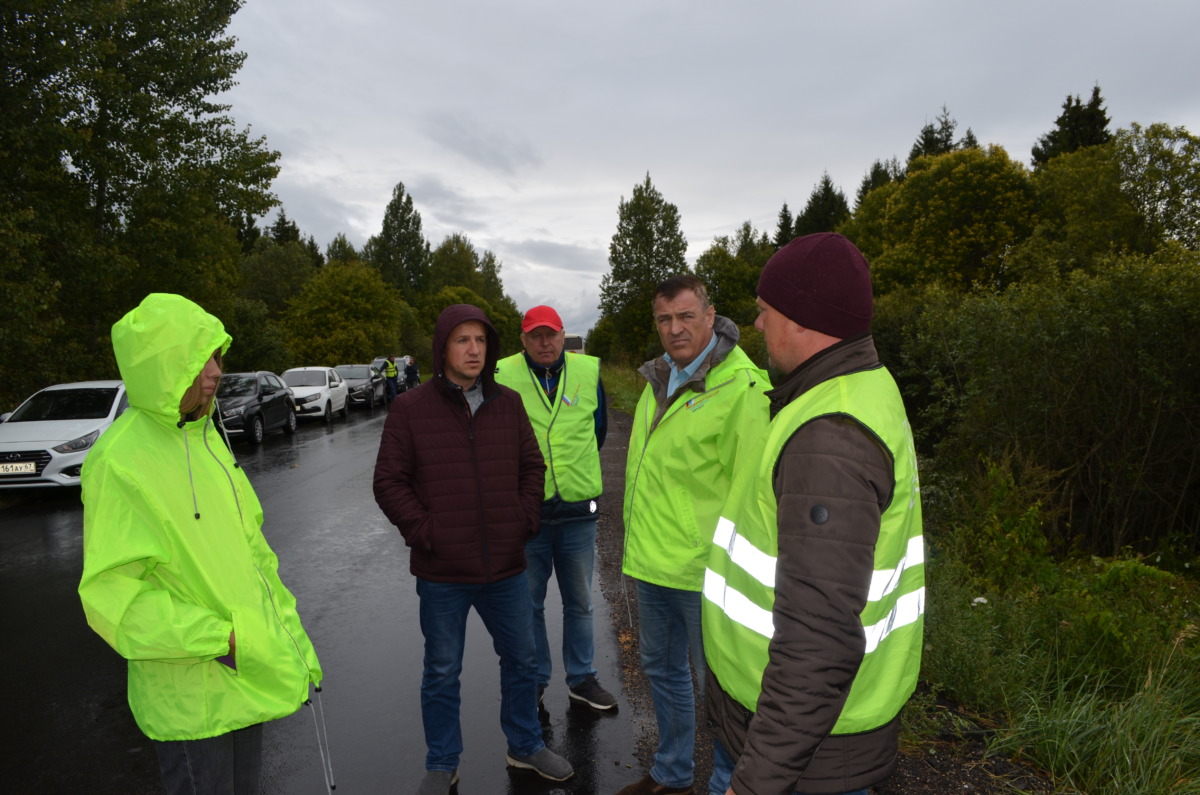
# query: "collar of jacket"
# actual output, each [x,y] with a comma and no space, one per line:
[658,372]
[546,372]
[850,355]
[452,390]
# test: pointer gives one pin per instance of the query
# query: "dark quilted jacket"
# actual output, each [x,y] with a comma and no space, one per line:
[465,491]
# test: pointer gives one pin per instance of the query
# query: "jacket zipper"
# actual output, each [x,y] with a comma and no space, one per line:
[266,585]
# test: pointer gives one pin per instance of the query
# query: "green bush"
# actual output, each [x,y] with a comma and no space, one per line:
[1095,377]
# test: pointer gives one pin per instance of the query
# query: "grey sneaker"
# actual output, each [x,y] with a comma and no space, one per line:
[591,693]
[545,763]
[438,782]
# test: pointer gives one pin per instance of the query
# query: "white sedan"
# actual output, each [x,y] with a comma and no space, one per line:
[44,442]
[319,392]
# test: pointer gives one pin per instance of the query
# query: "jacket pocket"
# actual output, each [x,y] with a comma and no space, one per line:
[226,665]
[683,508]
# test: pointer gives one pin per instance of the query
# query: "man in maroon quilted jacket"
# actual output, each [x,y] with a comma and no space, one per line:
[460,474]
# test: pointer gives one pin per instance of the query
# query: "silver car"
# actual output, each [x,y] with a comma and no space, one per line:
[44,442]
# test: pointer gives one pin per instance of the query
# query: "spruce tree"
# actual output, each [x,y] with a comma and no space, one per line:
[1077,126]
[785,231]
[400,250]
[826,209]
[647,247]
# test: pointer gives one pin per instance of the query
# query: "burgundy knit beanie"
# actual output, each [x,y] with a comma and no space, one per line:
[822,282]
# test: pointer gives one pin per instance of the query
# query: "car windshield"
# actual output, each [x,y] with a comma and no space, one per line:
[354,371]
[237,386]
[304,378]
[66,404]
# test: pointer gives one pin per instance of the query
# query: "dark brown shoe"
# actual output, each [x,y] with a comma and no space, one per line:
[648,786]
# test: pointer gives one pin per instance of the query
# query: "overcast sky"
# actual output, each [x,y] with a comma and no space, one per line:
[524,123]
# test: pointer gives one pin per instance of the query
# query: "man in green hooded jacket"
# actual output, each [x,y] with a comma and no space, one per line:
[177,576]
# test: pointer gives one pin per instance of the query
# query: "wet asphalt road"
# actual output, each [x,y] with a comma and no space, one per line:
[71,730]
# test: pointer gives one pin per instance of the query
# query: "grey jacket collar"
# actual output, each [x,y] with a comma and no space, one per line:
[658,373]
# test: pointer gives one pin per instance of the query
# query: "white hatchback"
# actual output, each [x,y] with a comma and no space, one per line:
[44,442]
[319,392]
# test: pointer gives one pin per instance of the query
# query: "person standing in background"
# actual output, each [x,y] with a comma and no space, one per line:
[565,401]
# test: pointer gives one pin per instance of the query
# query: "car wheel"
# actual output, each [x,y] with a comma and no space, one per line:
[257,430]
[328,415]
[289,427]
[345,412]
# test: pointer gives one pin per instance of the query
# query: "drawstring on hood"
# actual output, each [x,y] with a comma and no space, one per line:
[322,740]
[187,452]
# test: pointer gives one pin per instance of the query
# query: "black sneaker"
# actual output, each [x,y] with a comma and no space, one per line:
[591,693]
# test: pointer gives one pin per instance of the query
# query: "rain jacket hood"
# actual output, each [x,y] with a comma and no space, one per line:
[161,346]
[174,559]
[461,313]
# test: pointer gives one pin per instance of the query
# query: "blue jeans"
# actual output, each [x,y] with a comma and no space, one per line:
[228,764]
[722,771]
[669,621]
[507,614]
[569,549]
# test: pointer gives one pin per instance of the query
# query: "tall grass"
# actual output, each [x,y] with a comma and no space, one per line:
[1091,666]
[1102,739]
[622,386]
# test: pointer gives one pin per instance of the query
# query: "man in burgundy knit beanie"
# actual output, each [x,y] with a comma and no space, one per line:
[822,282]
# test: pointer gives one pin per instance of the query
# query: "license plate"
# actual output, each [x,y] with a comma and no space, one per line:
[22,468]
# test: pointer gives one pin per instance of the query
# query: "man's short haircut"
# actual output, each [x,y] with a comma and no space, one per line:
[673,286]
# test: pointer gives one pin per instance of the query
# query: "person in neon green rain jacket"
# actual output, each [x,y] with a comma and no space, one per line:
[177,576]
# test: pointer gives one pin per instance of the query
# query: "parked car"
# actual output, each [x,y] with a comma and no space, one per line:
[318,392]
[251,404]
[44,442]
[365,384]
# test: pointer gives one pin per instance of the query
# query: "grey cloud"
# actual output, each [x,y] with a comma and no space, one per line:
[560,256]
[492,149]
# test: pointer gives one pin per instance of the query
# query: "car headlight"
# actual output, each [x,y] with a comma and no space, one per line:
[75,445]
[236,411]
[308,399]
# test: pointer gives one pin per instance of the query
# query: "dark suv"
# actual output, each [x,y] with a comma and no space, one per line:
[253,403]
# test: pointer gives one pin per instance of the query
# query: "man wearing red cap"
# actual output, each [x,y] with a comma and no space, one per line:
[814,593]
[564,398]
[696,424]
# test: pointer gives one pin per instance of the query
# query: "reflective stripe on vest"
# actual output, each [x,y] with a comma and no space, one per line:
[566,429]
[739,584]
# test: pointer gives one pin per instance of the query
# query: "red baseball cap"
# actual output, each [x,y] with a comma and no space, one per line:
[541,316]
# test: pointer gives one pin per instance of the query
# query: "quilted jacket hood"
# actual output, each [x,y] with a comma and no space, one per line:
[461,313]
